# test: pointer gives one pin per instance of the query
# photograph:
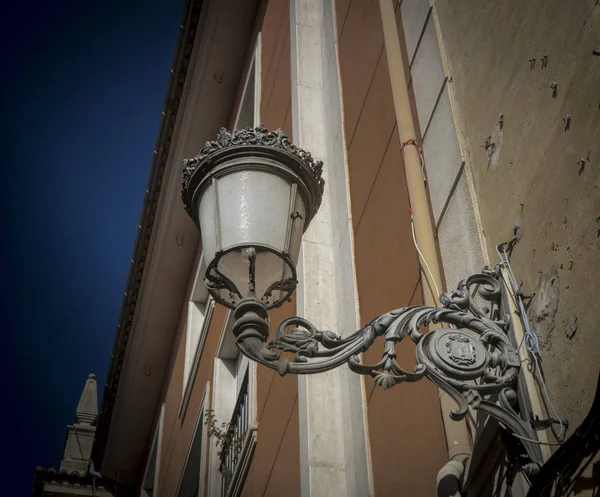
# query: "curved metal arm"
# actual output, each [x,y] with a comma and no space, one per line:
[471,361]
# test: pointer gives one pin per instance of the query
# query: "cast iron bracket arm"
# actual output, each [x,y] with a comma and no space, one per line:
[464,355]
[503,412]
[474,360]
[251,330]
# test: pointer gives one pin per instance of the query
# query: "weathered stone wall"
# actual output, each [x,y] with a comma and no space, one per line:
[539,169]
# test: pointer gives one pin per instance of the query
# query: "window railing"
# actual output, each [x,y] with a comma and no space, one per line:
[238,426]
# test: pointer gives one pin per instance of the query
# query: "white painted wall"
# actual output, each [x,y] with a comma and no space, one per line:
[334,457]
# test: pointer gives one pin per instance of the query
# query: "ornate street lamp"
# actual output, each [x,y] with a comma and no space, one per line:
[252,194]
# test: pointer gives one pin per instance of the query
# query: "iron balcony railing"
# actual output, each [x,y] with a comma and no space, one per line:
[238,428]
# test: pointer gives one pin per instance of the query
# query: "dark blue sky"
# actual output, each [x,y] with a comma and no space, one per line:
[82,86]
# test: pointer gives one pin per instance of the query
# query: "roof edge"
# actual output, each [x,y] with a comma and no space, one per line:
[170,110]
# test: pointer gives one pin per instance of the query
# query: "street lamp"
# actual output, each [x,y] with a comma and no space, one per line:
[252,194]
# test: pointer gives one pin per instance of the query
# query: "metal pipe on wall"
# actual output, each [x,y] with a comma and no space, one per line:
[457,434]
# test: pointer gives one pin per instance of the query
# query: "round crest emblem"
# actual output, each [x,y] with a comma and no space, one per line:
[458,353]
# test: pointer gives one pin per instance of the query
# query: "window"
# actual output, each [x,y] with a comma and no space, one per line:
[200,308]
[248,110]
[150,479]
[234,401]
[191,483]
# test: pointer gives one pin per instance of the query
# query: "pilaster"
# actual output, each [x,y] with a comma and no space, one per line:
[334,456]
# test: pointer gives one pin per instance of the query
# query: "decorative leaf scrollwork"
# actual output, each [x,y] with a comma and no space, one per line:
[260,136]
[472,358]
[215,280]
[285,286]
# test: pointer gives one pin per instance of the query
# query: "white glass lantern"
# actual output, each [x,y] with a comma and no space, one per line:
[252,194]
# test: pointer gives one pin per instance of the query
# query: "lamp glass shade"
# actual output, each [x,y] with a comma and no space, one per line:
[251,222]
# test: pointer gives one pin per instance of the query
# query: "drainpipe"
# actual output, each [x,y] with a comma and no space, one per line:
[457,435]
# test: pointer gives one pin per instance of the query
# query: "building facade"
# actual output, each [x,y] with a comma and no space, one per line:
[506,138]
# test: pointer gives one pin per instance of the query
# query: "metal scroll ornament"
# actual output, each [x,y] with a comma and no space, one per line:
[471,357]
[252,139]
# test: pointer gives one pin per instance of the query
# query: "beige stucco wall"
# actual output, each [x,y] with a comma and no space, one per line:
[405,425]
[275,467]
[177,433]
[532,178]
[276,84]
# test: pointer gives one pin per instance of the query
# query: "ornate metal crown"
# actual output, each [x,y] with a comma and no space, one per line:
[251,137]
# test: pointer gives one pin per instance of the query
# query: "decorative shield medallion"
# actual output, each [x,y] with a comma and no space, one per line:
[458,353]
[460,349]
